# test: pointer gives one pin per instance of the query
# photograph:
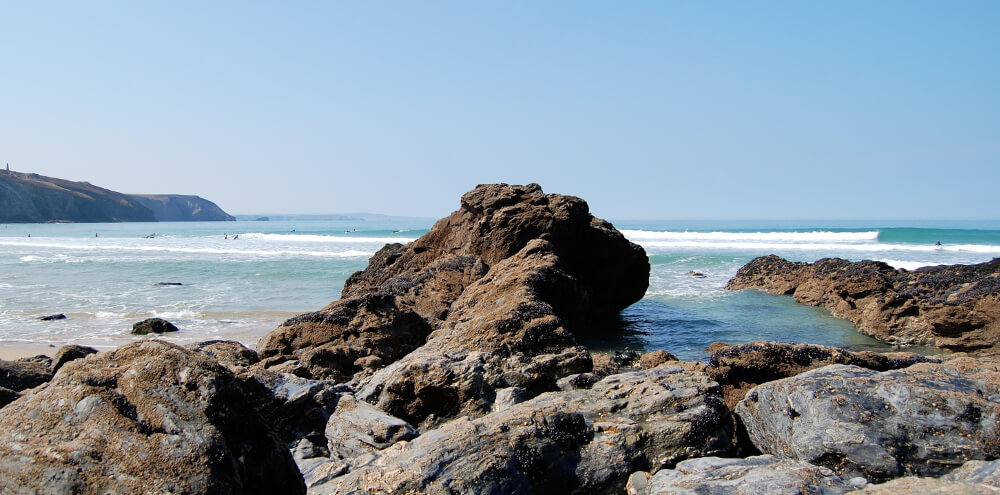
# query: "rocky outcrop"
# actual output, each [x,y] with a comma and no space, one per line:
[739,368]
[928,486]
[583,440]
[750,476]
[489,298]
[181,208]
[148,417]
[953,307]
[69,353]
[32,198]
[924,420]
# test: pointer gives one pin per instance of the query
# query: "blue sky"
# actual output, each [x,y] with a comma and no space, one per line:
[671,110]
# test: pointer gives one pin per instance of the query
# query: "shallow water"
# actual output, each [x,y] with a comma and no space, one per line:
[105,277]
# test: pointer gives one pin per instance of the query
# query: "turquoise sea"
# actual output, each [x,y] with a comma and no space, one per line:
[104,277]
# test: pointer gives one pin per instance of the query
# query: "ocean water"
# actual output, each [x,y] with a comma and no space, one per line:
[105,277]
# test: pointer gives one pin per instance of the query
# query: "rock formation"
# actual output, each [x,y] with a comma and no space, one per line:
[148,417]
[924,420]
[952,307]
[739,368]
[583,440]
[489,298]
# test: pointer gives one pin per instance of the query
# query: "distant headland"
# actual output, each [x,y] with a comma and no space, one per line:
[33,198]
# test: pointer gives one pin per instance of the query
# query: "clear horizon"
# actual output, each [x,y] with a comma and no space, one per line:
[648,110]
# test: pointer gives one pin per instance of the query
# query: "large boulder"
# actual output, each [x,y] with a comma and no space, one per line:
[22,374]
[739,368]
[148,417]
[749,476]
[924,420]
[490,297]
[587,440]
[954,307]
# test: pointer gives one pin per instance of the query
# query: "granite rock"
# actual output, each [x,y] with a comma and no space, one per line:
[924,420]
[749,476]
[148,417]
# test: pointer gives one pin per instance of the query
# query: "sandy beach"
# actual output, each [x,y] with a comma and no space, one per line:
[10,351]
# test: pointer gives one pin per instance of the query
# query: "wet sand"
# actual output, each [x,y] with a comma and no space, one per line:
[10,351]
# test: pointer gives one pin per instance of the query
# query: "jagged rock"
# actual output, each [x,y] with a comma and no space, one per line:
[487,299]
[351,336]
[25,373]
[927,486]
[147,417]
[739,368]
[7,396]
[358,428]
[954,307]
[69,353]
[152,325]
[749,476]
[58,316]
[588,440]
[923,420]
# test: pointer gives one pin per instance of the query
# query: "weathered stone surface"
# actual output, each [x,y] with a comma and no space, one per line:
[69,353]
[954,307]
[750,476]
[923,420]
[488,299]
[152,325]
[148,417]
[587,440]
[927,486]
[987,472]
[349,337]
[739,368]
[231,354]
[25,373]
[358,428]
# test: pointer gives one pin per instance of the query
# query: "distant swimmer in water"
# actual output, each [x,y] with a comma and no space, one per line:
[225,236]
[396,231]
[237,236]
[938,243]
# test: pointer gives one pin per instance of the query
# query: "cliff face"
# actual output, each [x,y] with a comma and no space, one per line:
[32,198]
[178,208]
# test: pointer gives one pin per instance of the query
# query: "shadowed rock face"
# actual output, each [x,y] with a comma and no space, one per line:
[489,298]
[953,307]
[149,417]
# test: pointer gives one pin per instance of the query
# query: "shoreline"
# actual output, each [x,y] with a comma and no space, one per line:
[10,351]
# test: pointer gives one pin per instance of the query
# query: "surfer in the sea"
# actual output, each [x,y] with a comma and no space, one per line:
[938,243]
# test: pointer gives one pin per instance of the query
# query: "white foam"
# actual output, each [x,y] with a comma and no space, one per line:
[331,239]
[707,237]
[908,265]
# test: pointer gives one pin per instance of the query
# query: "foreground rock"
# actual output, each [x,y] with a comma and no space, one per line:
[588,440]
[739,368]
[148,417]
[489,298]
[952,307]
[924,420]
[749,476]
